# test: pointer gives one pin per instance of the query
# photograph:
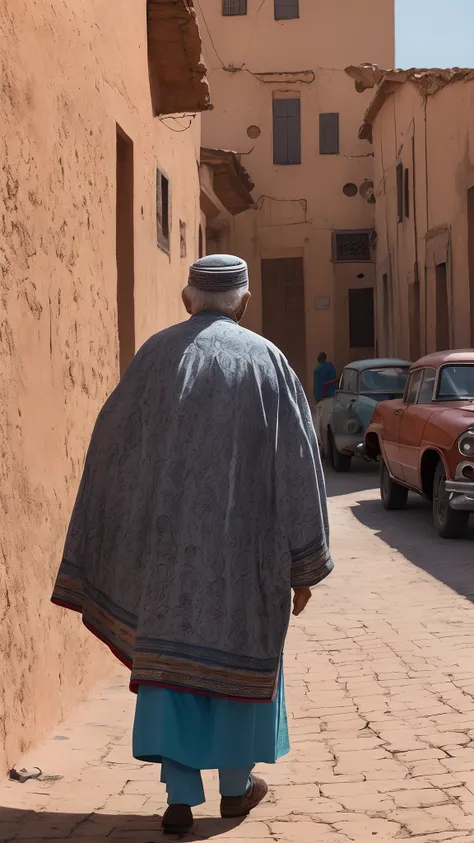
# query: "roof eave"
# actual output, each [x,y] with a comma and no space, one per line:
[232,183]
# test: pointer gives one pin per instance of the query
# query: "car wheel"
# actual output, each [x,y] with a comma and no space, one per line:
[448,523]
[341,463]
[392,494]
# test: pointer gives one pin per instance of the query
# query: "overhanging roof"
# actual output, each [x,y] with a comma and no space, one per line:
[428,81]
[177,73]
[232,183]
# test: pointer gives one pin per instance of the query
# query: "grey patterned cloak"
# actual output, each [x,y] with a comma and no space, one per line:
[202,502]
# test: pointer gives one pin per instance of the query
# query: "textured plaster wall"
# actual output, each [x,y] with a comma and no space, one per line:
[307,202]
[70,71]
[434,141]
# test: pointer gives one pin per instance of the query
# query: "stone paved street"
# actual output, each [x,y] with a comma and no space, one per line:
[380,686]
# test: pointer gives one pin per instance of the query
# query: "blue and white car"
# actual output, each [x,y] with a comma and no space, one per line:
[343,419]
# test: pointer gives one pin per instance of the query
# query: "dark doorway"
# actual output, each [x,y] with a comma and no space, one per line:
[284,309]
[470,247]
[361,318]
[442,312]
[125,250]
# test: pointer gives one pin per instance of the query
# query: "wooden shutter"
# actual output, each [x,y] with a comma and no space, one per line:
[234,7]
[286,9]
[361,318]
[286,131]
[329,134]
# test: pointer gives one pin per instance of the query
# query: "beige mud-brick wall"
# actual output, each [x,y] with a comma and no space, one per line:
[70,72]
[432,138]
[298,206]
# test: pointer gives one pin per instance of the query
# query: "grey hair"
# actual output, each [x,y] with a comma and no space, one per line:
[228,302]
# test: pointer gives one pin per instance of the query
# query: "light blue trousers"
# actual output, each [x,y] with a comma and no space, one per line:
[184,785]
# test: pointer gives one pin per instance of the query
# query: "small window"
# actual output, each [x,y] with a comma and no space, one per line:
[406,193]
[351,246]
[286,9]
[361,318]
[201,242]
[234,7]
[286,131]
[400,192]
[162,212]
[425,395]
[182,239]
[413,383]
[329,134]
[349,380]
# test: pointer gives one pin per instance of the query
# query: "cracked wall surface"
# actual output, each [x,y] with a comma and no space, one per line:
[70,71]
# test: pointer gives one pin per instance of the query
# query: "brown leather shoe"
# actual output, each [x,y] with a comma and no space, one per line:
[240,806]
[178,819]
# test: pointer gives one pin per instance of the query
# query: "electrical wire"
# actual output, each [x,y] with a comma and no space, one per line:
[177,131]
[209,32]
[261,200]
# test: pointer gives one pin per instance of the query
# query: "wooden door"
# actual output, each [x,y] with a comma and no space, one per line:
[284,309]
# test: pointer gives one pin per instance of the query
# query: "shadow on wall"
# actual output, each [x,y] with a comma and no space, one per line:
[35,826]
[411,532]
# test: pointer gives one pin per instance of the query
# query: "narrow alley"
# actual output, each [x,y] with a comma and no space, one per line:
[380,683]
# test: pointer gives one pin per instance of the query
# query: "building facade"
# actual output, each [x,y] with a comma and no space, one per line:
[421,128]
[101,214]
[283,102]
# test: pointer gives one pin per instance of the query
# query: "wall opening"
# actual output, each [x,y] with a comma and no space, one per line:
[162,212]
[284,309]
[442,311]
[470,247]
[125,250]
[201,243]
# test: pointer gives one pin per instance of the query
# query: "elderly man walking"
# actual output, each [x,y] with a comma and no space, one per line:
[202,504]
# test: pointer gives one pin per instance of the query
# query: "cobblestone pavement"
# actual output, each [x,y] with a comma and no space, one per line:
[380,686]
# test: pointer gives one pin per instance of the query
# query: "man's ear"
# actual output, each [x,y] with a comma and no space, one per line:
[186,302]
[243,307]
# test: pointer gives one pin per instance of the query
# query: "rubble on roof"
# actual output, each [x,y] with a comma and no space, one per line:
[428,81]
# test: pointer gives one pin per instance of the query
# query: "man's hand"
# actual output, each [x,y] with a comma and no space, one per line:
[300,599]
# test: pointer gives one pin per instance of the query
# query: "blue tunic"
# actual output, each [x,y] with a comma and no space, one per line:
[208,733]
[324,373]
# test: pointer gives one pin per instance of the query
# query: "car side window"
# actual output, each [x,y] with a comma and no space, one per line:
[425,395]
[413,383]
[349,380]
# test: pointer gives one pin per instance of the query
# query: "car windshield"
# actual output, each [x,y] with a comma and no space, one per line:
[456,383]
[387,380]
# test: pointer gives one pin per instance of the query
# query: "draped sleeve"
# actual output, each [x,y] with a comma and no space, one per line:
[301,490]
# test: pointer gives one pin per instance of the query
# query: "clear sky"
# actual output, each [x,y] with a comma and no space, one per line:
[435,33]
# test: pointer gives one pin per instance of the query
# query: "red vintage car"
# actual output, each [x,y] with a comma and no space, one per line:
[425,441]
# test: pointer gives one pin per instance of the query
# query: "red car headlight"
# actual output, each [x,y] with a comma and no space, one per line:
[466,443]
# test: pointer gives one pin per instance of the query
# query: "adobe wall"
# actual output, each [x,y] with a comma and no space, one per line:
[70,72]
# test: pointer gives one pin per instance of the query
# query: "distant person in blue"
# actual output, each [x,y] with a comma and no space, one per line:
[324,374]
